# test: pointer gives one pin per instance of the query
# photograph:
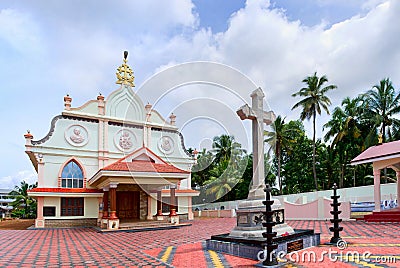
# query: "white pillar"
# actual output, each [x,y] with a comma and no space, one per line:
[149,214]
[377,189]
[101,143]
[39,222]
[105,145]
[190,211]
[40,172]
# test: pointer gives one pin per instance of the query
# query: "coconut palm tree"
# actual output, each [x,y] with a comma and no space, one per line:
[383,105]
[344,122]
[314,98]
[223,177]
[225,148]
[345,131]
[279,138]
[21,198]
[200,171]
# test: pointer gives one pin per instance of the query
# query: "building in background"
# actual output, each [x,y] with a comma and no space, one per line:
[5,200]
[111,160]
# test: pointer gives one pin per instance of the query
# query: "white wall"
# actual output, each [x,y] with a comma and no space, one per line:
[354,194]
[91,207]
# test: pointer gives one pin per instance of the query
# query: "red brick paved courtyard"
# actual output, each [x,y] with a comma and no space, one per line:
[85,247]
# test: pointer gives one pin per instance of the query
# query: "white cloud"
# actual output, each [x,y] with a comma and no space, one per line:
[19,31]
[277,53]
[9,182]
[371,4]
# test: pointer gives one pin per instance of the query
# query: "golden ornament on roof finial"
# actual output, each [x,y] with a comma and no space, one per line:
[380,138]
[125,73]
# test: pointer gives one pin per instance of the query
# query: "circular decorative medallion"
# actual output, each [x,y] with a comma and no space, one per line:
[76,135]
[125,140]
[166,144]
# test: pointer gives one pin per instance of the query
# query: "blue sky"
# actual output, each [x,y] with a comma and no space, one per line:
[50,48]
[216,13]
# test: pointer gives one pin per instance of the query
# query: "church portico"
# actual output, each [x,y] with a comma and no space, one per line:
[129,203]
[128,183]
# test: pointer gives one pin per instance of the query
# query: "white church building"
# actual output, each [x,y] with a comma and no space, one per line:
[109,161]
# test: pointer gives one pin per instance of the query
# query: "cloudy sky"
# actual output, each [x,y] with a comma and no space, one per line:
[50,48]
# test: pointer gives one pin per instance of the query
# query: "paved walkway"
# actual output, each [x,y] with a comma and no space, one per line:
[84,247]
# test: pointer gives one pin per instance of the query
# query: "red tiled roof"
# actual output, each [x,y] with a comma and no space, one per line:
[64,190]
[143,166]
[382,150]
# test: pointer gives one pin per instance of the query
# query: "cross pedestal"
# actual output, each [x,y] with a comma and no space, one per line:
[250,211]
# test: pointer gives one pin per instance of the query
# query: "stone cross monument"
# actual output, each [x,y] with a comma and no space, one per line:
[250,211]
[258,116]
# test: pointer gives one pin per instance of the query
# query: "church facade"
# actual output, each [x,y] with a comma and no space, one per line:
[111,160]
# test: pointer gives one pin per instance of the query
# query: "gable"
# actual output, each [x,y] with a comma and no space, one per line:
[143,160]
[143,154]
[124,104]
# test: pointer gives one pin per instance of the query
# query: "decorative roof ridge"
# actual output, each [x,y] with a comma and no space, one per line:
[78,109]
[53,125]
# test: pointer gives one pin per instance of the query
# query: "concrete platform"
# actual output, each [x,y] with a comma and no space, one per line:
[250,247]
[142,226]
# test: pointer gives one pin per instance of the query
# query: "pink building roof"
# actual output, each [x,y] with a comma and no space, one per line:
[379,152]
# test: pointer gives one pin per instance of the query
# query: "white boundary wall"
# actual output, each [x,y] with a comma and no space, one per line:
[314,205]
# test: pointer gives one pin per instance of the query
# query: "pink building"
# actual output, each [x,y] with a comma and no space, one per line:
[385,155]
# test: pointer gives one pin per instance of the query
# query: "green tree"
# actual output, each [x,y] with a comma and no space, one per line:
[201,170]
[223,177]
[383,104]
[22,200]
[241,189]
[344,122]
[313,99]
[225,148]
[328,168]
[297,162]
[279,138]
[219,172]
[345,131]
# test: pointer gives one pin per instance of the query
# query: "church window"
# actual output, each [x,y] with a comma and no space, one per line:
[71,206]
[72,176]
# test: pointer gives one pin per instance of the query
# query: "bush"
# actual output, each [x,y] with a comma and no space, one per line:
[18,213]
